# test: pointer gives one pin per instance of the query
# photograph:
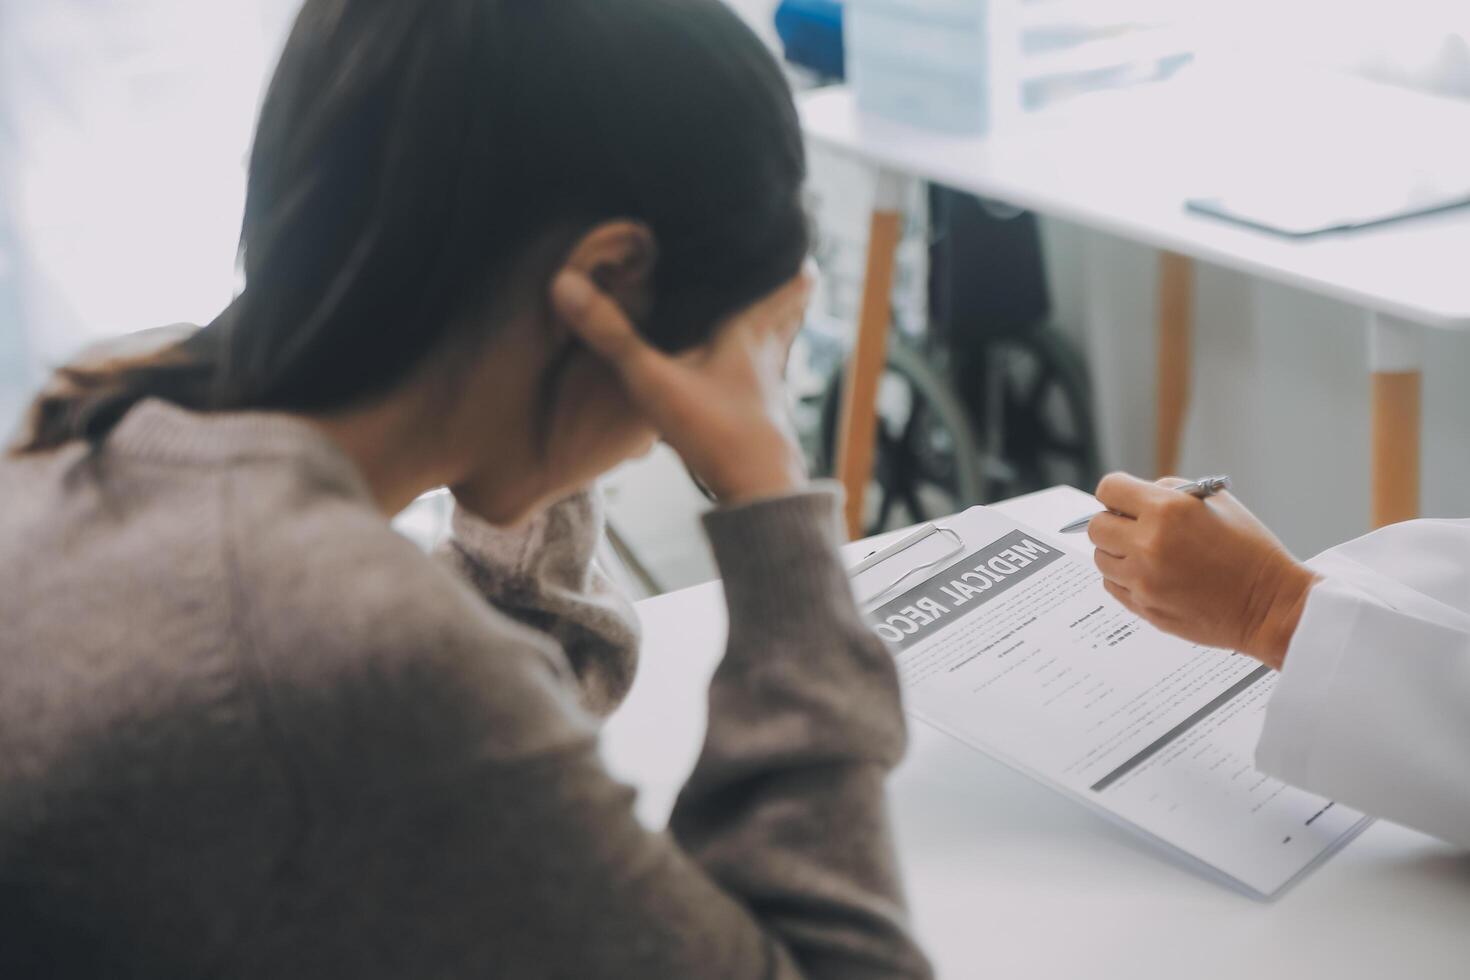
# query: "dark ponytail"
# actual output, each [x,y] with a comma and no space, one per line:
[86,401]
[411,155]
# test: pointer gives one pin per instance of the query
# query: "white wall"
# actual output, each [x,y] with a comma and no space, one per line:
[124,127]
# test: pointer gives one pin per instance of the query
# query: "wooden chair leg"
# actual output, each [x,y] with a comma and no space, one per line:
[1395,359]
[858,430]
[1175,323]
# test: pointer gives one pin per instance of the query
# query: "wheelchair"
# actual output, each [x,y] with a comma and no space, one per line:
[992,399]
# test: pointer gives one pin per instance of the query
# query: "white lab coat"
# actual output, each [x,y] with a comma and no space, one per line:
[1373,704]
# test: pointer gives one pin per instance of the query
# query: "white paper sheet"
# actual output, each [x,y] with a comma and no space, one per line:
[1015,649]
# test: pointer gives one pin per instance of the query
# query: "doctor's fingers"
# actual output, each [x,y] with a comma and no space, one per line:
[1135,604]
[1124,596]
[1118,536]
[1127,494]
[1115,570]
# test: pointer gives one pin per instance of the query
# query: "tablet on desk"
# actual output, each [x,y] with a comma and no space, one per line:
[1302,209]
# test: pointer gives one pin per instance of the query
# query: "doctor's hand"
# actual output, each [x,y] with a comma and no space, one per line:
[1205,570]
[723,406]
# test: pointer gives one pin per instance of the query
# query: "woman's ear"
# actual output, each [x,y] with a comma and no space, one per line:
[620,256]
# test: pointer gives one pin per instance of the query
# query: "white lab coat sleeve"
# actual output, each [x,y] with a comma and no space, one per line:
[1373,705]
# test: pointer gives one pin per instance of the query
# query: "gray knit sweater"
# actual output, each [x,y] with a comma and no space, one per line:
[246,730]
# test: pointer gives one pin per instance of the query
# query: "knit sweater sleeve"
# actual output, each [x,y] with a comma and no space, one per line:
[465,825]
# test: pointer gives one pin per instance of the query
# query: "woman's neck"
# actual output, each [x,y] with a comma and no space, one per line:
[396,455]
[417,440]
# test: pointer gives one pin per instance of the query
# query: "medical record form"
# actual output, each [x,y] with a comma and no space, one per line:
[1013,647]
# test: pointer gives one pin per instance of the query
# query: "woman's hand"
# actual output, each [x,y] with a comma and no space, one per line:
[1206,570]
[722,407]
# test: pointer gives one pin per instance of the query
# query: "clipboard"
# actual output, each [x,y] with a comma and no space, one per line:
[1134,767]
[907,543]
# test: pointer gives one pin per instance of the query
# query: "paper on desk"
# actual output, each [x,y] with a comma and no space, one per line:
[1016,650]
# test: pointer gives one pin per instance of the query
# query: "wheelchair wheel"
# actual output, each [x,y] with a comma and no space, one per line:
[925,463]
[1031,396]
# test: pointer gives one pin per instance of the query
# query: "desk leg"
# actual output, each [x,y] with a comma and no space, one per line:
[1176,314]
[1395,359]
[858,431]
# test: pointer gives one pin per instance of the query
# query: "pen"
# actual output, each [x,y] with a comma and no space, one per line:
[1207,487]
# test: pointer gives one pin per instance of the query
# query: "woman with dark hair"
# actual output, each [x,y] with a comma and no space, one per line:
[246,730]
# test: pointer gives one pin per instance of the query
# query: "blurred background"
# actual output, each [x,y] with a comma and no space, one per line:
[124,126]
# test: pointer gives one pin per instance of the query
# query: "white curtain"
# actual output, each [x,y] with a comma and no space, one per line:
[124,129]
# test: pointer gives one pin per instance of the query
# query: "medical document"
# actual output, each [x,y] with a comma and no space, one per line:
[1010,644]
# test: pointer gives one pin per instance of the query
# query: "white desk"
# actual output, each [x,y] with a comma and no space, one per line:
[1125,164]
[1007,879]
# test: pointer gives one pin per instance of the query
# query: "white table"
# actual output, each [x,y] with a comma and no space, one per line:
[1007,879]
[1125,164]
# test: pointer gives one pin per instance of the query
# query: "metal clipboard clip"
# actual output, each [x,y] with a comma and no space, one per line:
[898,548]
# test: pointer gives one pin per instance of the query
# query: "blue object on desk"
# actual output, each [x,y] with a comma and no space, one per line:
[811,33]
[922,62]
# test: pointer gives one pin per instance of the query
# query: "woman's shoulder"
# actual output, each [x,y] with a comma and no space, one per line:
[258,552]
[256,547]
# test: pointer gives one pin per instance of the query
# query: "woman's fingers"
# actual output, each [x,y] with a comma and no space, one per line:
[600,323]
[782,310]
[785,306]
[720,406]
[802,286]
